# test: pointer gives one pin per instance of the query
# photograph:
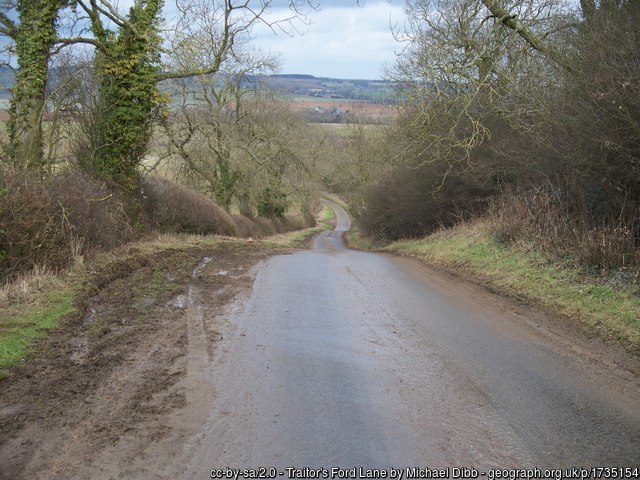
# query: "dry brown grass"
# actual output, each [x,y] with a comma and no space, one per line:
[540,219]
[25,285]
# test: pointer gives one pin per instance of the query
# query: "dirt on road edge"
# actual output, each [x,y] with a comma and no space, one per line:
[116,373]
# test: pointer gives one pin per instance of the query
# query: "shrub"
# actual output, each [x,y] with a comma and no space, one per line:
[297,222]
[545,219]
[265,226]
[33,228]
[50,222]
[245,226]
[98,213]
[175,208]
[412,202]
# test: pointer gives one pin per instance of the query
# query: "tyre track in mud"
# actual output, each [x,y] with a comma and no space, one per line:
[111,392]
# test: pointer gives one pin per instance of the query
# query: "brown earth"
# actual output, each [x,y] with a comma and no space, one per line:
[115,377]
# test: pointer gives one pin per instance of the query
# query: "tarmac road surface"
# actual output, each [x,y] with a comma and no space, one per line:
[339,358]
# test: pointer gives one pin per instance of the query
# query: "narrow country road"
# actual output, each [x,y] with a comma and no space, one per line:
[338,358]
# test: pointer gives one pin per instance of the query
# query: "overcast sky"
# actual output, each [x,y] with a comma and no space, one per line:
[343,40]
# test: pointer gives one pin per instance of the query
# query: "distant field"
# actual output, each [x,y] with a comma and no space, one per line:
[321,100]
[345,130]
[345,106]
[308,99]
[376,91]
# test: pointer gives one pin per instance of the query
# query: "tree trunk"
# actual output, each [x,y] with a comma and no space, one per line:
[127,70]
[34,38]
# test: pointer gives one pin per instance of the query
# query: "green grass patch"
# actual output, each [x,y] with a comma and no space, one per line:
[326,218]
[297,238]
[326,215]
[20,327]
[613,311]
[357,241]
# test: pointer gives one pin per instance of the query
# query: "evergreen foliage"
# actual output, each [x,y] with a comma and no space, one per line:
[127,66]
[34,38]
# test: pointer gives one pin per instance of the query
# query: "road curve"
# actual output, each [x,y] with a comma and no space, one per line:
[332,240]
[344,358]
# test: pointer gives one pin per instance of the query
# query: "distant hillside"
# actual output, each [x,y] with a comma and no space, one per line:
[323,100]
[374,91]
[290,85]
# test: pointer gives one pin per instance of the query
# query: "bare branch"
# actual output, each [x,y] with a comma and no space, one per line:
[65,42]
[510,20]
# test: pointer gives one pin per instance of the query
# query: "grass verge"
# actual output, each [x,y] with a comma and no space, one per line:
[21,323]
[37,303]
[358,241]
[613,312]
[325,221]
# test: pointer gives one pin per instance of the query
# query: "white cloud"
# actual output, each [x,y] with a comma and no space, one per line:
[343,41]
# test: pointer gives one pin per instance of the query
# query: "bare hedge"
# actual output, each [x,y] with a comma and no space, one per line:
[49,222]
[175,208]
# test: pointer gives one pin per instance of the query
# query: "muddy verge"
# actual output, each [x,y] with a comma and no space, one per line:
[109,388]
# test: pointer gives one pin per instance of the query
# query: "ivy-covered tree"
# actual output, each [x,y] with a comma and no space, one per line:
[126,66]
[34,35]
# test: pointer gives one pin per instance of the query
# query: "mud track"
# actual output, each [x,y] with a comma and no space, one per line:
[103,391]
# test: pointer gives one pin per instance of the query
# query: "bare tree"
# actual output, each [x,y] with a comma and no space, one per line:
[237,140]
[33,36]
[129,45]
[462,63]
[204,126]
